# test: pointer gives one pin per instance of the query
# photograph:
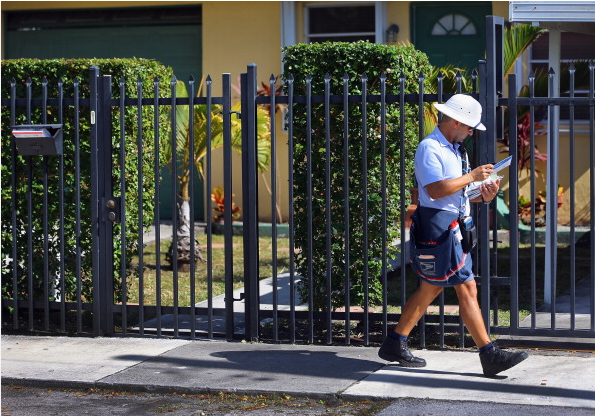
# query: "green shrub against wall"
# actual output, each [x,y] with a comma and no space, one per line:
[353,59]
[69,70]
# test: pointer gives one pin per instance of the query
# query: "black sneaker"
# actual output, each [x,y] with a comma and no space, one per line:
[495,360]
[393,350]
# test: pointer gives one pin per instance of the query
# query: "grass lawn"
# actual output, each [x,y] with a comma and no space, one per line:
[150,271]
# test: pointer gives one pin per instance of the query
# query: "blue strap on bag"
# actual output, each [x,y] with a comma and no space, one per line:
[436,250]
[466,225]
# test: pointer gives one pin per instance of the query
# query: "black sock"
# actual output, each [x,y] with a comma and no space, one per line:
[396,336]
[487,347]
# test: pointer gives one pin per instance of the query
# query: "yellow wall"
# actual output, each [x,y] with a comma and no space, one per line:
[397,12]
[236,34]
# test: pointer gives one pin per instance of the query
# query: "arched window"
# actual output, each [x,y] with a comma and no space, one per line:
[454,25]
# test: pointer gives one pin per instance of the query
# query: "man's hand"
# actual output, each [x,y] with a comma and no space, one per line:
[482,172]
[489,189]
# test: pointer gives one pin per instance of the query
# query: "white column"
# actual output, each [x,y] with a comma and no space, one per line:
[288,35]
[551,213]
[380,21]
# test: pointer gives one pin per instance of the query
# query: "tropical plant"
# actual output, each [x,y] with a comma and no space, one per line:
[218,197]
[526,213]
[517,39]
[186,162]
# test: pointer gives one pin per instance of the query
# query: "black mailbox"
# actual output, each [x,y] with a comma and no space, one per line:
[38,139]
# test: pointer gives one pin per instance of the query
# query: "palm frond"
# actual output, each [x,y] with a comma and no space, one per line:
[516,40]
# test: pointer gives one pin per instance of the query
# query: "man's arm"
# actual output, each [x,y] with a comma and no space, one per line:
[440,189]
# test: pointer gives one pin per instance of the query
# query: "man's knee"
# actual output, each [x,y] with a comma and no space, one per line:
[467,289]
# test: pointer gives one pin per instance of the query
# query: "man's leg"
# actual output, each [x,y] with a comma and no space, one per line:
[416,306]
[394,347]
[471,313]
[493,359]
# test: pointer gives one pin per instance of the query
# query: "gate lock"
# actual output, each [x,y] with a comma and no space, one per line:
[111,209]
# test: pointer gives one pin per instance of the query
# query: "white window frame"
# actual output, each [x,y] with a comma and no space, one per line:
[379,20]
[524,80]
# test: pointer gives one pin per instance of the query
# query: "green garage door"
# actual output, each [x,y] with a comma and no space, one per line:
[450,32]
[171,36]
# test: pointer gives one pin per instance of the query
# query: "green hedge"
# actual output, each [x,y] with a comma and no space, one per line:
[68,70]
[354,59]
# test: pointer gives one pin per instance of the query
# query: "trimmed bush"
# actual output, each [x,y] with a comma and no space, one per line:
[67,70]
[353,59]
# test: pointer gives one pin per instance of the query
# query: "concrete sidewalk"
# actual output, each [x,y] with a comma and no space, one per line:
[545,378]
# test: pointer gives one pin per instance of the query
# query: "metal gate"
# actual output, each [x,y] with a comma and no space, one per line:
[112,309]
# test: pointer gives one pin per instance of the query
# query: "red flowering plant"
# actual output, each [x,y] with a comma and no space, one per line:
[218,197]
[524,144]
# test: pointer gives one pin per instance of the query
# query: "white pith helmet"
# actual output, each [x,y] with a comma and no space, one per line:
[464,109]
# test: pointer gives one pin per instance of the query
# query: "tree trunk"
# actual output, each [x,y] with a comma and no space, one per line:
[182,255]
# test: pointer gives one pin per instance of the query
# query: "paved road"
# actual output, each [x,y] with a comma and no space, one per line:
[30,401]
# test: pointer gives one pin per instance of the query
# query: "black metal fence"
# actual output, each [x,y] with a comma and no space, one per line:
[130,291]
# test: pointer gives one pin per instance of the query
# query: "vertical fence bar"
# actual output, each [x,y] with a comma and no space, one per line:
[94,108]
[532,197]
[13,199]
[551,242]
[484,96]
[77,201]
[310,276]
[420,116]
[157,179]
[174,187]
[62,278]
[291,231]
[384,191]
[327,140]
[592,184]
[209,84]
[489,99]
[106,229]
[46,242]
[514,198]
[192,168]
[441,296]
[365,201]
[572,161]
[273,104]
[346,176]
[402,140]
[250,192]
[459,82]
[227,179]
[29,159]
[140,179]
[123,286]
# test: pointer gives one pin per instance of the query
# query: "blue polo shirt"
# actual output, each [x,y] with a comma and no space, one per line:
[436,159]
